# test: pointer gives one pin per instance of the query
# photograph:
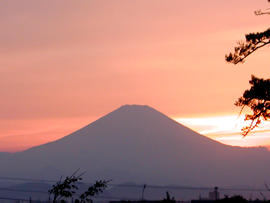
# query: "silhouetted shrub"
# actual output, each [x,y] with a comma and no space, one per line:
[64,190]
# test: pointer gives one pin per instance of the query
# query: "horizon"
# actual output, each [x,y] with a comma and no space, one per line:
[210,126]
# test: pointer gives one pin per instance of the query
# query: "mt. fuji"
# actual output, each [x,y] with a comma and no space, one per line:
[139,144]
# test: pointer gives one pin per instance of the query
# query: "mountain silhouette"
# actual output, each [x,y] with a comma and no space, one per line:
[138,144]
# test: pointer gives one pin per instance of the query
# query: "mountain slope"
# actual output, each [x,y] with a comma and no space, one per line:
[139,144]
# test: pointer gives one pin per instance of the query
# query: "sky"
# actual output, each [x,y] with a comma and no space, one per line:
[65,63]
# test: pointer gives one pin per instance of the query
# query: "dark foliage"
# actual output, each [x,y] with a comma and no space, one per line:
[96,189]
[253,42]
[257,98]
[260,12]
[64,190]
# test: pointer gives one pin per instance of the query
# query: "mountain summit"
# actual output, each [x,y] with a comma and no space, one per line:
[139,144]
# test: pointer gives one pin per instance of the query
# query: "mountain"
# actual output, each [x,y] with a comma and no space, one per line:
[139,144]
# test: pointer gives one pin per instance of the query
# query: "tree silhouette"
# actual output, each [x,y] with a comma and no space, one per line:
[96,189]
[260,12]
[253,42]
[64,190]
[257,98]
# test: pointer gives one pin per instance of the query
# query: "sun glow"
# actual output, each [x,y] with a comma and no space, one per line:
[227,130]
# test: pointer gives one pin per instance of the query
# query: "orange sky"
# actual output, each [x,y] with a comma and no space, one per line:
[65,63]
